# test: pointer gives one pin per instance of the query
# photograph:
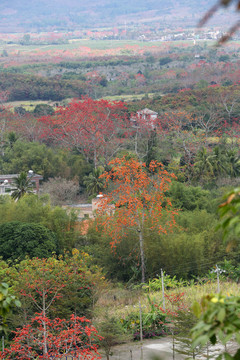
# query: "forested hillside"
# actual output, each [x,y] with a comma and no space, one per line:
[58,14]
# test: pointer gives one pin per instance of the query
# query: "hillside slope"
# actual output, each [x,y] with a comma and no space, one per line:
[25,15]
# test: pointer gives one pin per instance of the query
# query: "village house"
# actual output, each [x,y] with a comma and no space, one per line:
[145,115]
[87,211]
[6,181]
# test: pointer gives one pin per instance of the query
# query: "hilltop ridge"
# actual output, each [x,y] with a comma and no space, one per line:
[22,15]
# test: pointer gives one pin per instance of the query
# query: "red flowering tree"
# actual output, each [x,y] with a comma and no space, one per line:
[94,127]
[137,200]
[43,338]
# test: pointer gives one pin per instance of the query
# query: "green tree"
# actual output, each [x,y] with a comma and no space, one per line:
[165,60]
[112,332]
[186,197]
[7,303]
[233,163]
[34,209]
[203,166]
[229,212]
[94,184]
[20,239]
[43,110]
[56,286]
[219,161]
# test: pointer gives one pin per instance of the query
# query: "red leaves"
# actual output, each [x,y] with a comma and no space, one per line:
[44,338]
[94,127]
[138,197]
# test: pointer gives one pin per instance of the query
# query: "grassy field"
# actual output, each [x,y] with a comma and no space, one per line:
[28,105]
[121,302]
[94,45]
[130,97]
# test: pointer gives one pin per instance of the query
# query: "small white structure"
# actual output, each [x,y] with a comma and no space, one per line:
[144,117]
[88,211]
[147,114]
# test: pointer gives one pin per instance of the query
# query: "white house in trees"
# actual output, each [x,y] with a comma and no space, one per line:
[144,116]
[147,114]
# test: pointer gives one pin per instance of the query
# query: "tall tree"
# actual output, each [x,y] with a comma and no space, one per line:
[138,199]
[96,128]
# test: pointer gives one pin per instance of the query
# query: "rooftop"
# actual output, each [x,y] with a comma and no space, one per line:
[147,112]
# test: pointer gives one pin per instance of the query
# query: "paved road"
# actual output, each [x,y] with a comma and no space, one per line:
[159,349]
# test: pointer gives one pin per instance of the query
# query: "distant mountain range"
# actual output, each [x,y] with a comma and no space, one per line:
[40,15]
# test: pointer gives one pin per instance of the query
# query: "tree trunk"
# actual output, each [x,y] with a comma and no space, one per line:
[142,255]
[136,143]
[44,326]
[95,158]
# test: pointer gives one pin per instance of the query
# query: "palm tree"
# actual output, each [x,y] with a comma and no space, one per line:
[203,164]
[219,161]
[93,182]
[233,163]
[23,185]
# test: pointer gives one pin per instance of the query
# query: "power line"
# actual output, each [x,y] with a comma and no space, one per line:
[188,265]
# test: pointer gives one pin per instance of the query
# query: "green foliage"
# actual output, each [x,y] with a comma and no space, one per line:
[224,58]
[56,285]
[22,156]
[219,321]
[34,209]
[187,197]
[153,322]
[155,284]
[32,87]
[230,270]
[20,239]
[165,60]
[112,332]
[94,184]
[7,303]
[210,165]
[183,323]
[43,110]
[191,248]
[229,212]
[202,84]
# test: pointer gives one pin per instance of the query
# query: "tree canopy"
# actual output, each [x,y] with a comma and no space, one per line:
[20,239]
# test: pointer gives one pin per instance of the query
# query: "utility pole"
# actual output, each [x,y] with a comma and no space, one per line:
[219,271]
[218,284]
[140,313]
[163,296]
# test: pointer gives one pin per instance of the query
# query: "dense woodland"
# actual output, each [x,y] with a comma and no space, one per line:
[74,121]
